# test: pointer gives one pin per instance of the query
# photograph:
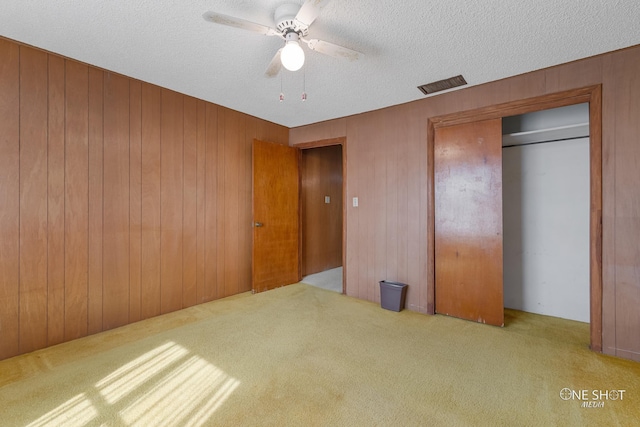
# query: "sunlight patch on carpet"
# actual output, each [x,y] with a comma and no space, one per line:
[167,386]
[193,377]
[77,411]
[139,371]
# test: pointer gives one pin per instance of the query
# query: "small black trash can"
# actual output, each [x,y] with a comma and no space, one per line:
[392,295]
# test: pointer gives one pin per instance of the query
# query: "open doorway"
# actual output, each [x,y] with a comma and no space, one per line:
[545,167]
[321,202]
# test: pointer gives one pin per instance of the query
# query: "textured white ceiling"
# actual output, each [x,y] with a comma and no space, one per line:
[406,43]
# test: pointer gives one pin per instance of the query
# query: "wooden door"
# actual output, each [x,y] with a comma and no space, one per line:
[276,217]
[468,221]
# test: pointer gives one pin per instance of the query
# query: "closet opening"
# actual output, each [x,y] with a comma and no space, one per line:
[479,125]
[546,212]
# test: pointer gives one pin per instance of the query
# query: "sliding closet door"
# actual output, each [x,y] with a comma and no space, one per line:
[468,221]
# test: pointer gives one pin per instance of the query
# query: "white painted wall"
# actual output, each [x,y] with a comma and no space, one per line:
[546,228]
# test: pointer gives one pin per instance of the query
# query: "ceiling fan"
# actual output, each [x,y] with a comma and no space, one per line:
[292,23]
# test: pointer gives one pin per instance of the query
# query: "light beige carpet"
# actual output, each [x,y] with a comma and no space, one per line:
[305,356]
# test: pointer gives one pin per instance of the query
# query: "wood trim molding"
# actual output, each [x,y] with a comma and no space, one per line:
[322,143]
[595,220]
[431,219]
[513,108]
[590,94]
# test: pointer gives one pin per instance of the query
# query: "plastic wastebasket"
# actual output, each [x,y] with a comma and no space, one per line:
[392,295]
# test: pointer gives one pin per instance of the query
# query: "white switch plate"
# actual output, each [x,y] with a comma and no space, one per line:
[327,199]
[355,202]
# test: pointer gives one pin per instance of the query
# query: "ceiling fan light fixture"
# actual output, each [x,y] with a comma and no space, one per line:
[292,21]
[292,55]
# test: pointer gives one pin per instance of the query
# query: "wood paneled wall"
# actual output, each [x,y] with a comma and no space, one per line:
[119,200]
[321,175]
[387,234]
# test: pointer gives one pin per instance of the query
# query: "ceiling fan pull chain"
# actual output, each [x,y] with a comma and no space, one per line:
[304,84]
[281,93]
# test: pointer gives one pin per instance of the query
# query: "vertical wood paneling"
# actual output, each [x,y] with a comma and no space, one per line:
[97,177]
[9,199]
[190,210]
[381,149]
[527,86]
[115,254]
[575,74]
[393,139]
[150,249]
[76,200]
[283,132]
[366,209]
[246,214]
[416,203]
[201,141]
[171,195]
[33,199]
[627,205]
[221,196]
[318,131]
[96,172]
[233,169]
[500,93]
[211,203]
[401,167]
[352,189]
[454,101]
[55,202]
[609,99]
[135,200]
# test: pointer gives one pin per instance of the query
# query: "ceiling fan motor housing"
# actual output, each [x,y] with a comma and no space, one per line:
[284,18]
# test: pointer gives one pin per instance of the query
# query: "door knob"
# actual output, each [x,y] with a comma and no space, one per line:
[258,224]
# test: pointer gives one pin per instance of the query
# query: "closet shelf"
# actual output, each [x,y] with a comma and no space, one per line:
[579,130]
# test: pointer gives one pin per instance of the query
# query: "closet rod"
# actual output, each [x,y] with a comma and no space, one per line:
[545,142]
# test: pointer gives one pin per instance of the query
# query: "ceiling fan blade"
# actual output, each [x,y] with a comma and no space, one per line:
[333,49]
[230,21]
[309,12]
[274,66]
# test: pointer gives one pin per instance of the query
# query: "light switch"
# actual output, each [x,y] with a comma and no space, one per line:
[355,202]
[327,199]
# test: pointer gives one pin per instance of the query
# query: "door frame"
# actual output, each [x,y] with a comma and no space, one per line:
[590,94]
[325,143]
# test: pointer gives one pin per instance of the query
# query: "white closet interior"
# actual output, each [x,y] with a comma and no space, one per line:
[546,212]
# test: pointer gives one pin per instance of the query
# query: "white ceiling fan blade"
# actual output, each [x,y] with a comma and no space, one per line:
[230,21]
[274,66]
[333,49]
[309,12]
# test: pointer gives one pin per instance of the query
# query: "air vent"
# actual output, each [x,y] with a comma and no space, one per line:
[441,85]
